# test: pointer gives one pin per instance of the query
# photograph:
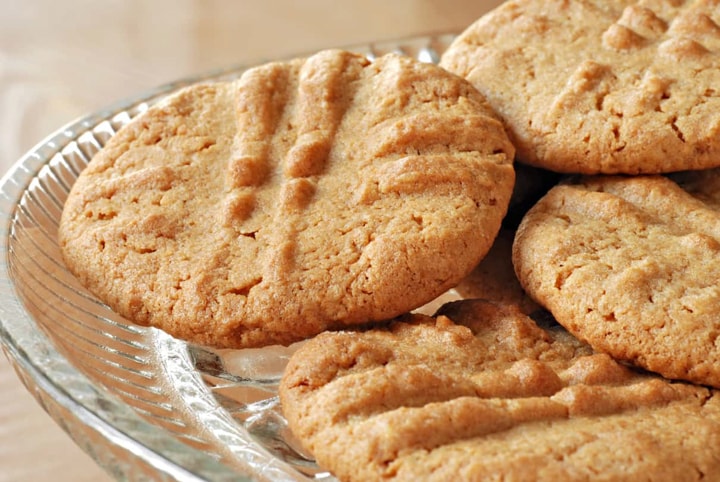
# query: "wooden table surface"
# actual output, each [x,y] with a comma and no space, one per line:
[61,60]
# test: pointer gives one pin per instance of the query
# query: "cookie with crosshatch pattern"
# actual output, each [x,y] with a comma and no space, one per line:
[309,194]
[482,392]
[595,86]
[630,265]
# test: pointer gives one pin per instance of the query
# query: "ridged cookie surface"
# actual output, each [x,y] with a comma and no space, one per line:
[483,393]
[307,194]
[596,86]
[631,265]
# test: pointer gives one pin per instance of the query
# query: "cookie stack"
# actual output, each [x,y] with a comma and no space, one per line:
[558,168]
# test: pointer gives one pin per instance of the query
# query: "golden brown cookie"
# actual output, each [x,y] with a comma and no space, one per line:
[483,393]
[309,194]
[631,265]
[595,86]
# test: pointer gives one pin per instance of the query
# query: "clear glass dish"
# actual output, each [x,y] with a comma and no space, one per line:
[144,405]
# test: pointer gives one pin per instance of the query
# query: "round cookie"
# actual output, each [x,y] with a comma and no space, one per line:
[594,86]
[481,392]
[309,194]
[631,265]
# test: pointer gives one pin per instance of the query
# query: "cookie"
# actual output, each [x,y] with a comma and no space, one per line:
[481,392]
[494,278]
[309,194]
[622,87]
[630,265]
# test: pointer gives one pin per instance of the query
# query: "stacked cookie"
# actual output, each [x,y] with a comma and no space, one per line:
[625,263]
[484,392]
[318,198]
[619,100]
[308,195]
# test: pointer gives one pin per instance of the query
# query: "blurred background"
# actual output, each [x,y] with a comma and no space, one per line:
[62,60]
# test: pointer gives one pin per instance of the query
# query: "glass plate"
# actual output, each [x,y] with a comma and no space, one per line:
[143,404]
